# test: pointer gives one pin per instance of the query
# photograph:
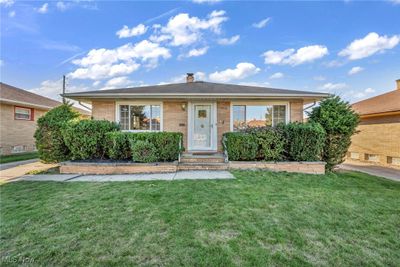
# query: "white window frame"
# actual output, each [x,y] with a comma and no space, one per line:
[140,103]
[260,103]
[23,108]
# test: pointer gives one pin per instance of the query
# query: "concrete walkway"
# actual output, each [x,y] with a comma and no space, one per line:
[180,175]
[21,169]
[388,173]
[10,165]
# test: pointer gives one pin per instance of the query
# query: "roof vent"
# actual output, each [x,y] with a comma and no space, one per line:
[398,84]
[189,77]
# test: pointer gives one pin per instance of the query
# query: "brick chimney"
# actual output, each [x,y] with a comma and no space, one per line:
[398,84]
[190,77]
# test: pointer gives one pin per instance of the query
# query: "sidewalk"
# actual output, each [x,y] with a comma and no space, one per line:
[388,173]
[21,169]
[180,175]
[10,165]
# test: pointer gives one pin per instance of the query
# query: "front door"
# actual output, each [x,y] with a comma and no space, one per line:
[202,127]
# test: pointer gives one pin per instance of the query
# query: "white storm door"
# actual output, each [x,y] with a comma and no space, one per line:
[202,127]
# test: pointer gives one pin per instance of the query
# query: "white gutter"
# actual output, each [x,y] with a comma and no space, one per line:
[26,104]
[181,95]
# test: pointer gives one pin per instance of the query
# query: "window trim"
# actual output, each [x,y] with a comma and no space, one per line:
[259,103]
[31,113]
[140,103]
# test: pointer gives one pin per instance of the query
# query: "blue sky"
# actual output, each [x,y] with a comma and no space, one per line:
[346,47]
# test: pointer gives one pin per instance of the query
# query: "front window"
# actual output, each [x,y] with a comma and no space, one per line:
[257,115]
[23,114]
[140,117]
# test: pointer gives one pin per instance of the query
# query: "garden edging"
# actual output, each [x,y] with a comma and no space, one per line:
[81,167]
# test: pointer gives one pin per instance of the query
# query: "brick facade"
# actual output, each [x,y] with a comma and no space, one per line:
[17,132]
[175,118]
[296,111]
[378,136]
[103,110]
[223,120]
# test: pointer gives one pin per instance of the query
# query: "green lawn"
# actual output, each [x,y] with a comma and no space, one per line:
[18,157]
[259,219]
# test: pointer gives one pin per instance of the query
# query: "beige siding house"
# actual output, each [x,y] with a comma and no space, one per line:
[19,111]
[378,140]
[202,111]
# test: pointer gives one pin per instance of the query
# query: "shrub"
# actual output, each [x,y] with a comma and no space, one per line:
[166,143]
[339,122]
[86,138]
[49,140]
[117,146]
[240,146]
[304,141]
[144,151]
[271,143]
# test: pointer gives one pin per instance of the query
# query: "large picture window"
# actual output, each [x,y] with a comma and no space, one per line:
[140,117]
[257,115]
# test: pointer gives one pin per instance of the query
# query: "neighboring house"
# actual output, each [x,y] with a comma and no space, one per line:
[378,140]
[20,110]
[202,111]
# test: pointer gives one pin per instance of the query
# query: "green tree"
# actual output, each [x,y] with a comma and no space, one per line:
[49,140]
[339,121]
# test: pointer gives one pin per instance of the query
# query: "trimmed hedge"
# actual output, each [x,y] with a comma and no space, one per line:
[166,144]
[240,146]
[86,138]
[294,141]
[144,151]
[305,141]
[49,140]
[271,142]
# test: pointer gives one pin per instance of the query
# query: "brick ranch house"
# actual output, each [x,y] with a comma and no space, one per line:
[19,111]
[202,111]
[378,140]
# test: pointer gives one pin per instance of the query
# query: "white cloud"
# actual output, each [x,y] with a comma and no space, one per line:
[1,63]
[363,93]
[206,1]
[107,63]
[334,63]
[7,3]
[198,76]
[292,57]
[185,30]
[11,14]
[276,75]
[259,84]
[196,52]
[372,43]
[228,41]
[125,32]
[262,23]
[241,71]
[355,70]
[61,6]
[333,86]
[395,2]
[118,82]
[53,89]
[43,9]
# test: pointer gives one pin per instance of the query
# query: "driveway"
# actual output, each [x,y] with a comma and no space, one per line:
[388,173]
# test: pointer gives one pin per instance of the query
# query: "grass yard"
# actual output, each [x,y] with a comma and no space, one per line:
[259,219]
[18,157]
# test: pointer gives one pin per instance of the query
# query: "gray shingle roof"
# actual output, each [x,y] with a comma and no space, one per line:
[195,88]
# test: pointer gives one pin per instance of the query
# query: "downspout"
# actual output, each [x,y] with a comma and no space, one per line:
[313,104]
[79,102]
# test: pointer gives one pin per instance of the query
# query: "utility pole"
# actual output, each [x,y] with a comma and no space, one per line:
[63,89]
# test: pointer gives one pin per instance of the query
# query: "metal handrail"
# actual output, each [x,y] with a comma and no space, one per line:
[226,156]
[180,148]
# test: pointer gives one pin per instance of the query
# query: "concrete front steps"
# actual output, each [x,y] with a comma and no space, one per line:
[202,161]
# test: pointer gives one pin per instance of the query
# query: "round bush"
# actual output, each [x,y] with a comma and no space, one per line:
[86,138]
[143,151]
[271,143]
[49,141]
